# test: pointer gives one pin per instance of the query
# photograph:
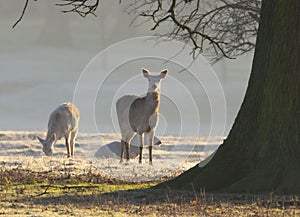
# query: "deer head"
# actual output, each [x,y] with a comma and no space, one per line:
[154,80]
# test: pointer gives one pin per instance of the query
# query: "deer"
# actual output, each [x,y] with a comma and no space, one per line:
[140,115]
[63,122]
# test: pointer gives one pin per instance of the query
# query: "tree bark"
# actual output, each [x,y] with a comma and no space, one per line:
[262,150]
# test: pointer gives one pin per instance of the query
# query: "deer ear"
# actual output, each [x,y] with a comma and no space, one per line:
[163,73]
[145,72]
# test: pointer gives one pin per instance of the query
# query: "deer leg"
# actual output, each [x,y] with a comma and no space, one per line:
[150,155]
[72,142]
[127,151]
[150,137]
[68,144]
[141,144]
[141,154]
[122,150]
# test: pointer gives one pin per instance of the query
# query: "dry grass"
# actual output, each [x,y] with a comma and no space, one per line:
[34,185]
[35,194]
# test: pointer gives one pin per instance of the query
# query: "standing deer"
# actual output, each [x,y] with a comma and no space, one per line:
[140,115]
[63,122]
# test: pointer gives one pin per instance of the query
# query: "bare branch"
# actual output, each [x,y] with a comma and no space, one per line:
[226,28]
[23,12]
[221,28]
[81,7]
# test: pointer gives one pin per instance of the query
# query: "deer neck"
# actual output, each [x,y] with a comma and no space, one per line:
[153,100]
[50,132]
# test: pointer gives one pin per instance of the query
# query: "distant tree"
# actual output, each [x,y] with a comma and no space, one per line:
[261,152]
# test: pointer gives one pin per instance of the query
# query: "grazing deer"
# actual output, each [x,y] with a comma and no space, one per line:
[63,122]
[140,115]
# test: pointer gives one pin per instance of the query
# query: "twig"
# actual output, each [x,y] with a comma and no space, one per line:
[23,12]
[65,187]
[45,192]
[81,7]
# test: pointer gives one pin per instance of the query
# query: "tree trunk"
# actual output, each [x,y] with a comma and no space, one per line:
[262,150]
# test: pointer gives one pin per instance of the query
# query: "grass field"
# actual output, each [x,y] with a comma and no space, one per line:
[25,193]
[32,184]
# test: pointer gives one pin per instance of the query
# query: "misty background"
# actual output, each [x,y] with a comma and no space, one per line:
[42,59]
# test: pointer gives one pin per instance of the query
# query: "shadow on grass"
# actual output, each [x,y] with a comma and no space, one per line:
[127,197]
[154,197]
[87,190]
